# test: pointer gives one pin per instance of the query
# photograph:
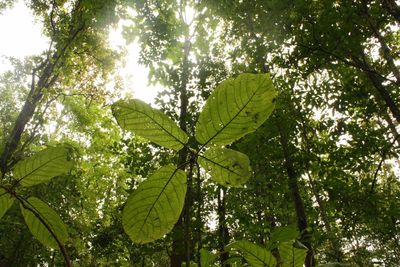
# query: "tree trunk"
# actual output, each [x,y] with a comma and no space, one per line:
[181,239]
[47,78]
[387,53]
[199,222]
[377,82]
[298,201]
[222,227]
[392,8]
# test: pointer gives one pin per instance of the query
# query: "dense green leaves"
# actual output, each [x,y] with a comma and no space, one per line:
[49,217]
[254,254]
[226,166]
[139,117]
[43,166]
[6,200]
[339,154]
[236,107]
[154,208]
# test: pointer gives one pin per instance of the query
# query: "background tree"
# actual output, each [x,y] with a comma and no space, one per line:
[324,166]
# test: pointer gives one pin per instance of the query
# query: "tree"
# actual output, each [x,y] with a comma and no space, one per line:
[322,187]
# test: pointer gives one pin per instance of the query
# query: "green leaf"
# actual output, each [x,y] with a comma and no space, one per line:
[254,254]
[206,258]
[292,256]
[234,261]
[139,117]
[6,201]
[236,107]
[43,166]
[286,233]
[50,217]
[226,166]
[154,208]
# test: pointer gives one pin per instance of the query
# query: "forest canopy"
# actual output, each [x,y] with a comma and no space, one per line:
[273,141]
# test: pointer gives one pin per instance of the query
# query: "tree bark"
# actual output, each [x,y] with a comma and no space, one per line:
[199,221]
[392,8]
[222,227]
[46,79]
[181,239]
[377,82]
[295,192]
[387,53]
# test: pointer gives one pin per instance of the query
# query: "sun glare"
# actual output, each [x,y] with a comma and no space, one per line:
[22,37]
[135,76]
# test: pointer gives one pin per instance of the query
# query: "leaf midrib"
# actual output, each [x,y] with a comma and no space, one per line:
[257,257]
[40,166]
[158,196]
[216,163]
[165,130]
[234,117]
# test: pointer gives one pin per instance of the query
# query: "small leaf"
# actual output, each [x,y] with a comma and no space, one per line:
[206,258]
[154,208]
[43,166]
[286,233]
[6,201]
[292,256]
[50,217]
[236,107]
[226,166]
[254,254]
[136,116]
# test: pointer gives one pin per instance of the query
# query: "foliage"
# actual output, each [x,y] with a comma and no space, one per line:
[43,166]
[46,225]
[154,125]
[315,184]
[255,255]
[155,206]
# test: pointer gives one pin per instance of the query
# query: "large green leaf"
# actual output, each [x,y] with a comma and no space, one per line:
[285,233]
[292,256]
[6,201]
[43,166]
[206,258]
[139,117]
[47,215]
[226,166]
[254,254]
[154,208]
[236,107]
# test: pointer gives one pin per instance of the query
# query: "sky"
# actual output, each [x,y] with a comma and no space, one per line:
[22,36]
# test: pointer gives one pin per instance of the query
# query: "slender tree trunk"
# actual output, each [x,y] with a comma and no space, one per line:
[392,8]
[275,251]
[392,127]
[181,238]
[188,215]
[199,221]
[47,78]
[377,82]
[387,53]
[336,248]
[295,192]
[222,227]
[337,254]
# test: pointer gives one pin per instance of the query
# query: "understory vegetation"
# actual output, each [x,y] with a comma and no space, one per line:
[273,142]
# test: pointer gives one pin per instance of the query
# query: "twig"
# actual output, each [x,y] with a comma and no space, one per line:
[384,154]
